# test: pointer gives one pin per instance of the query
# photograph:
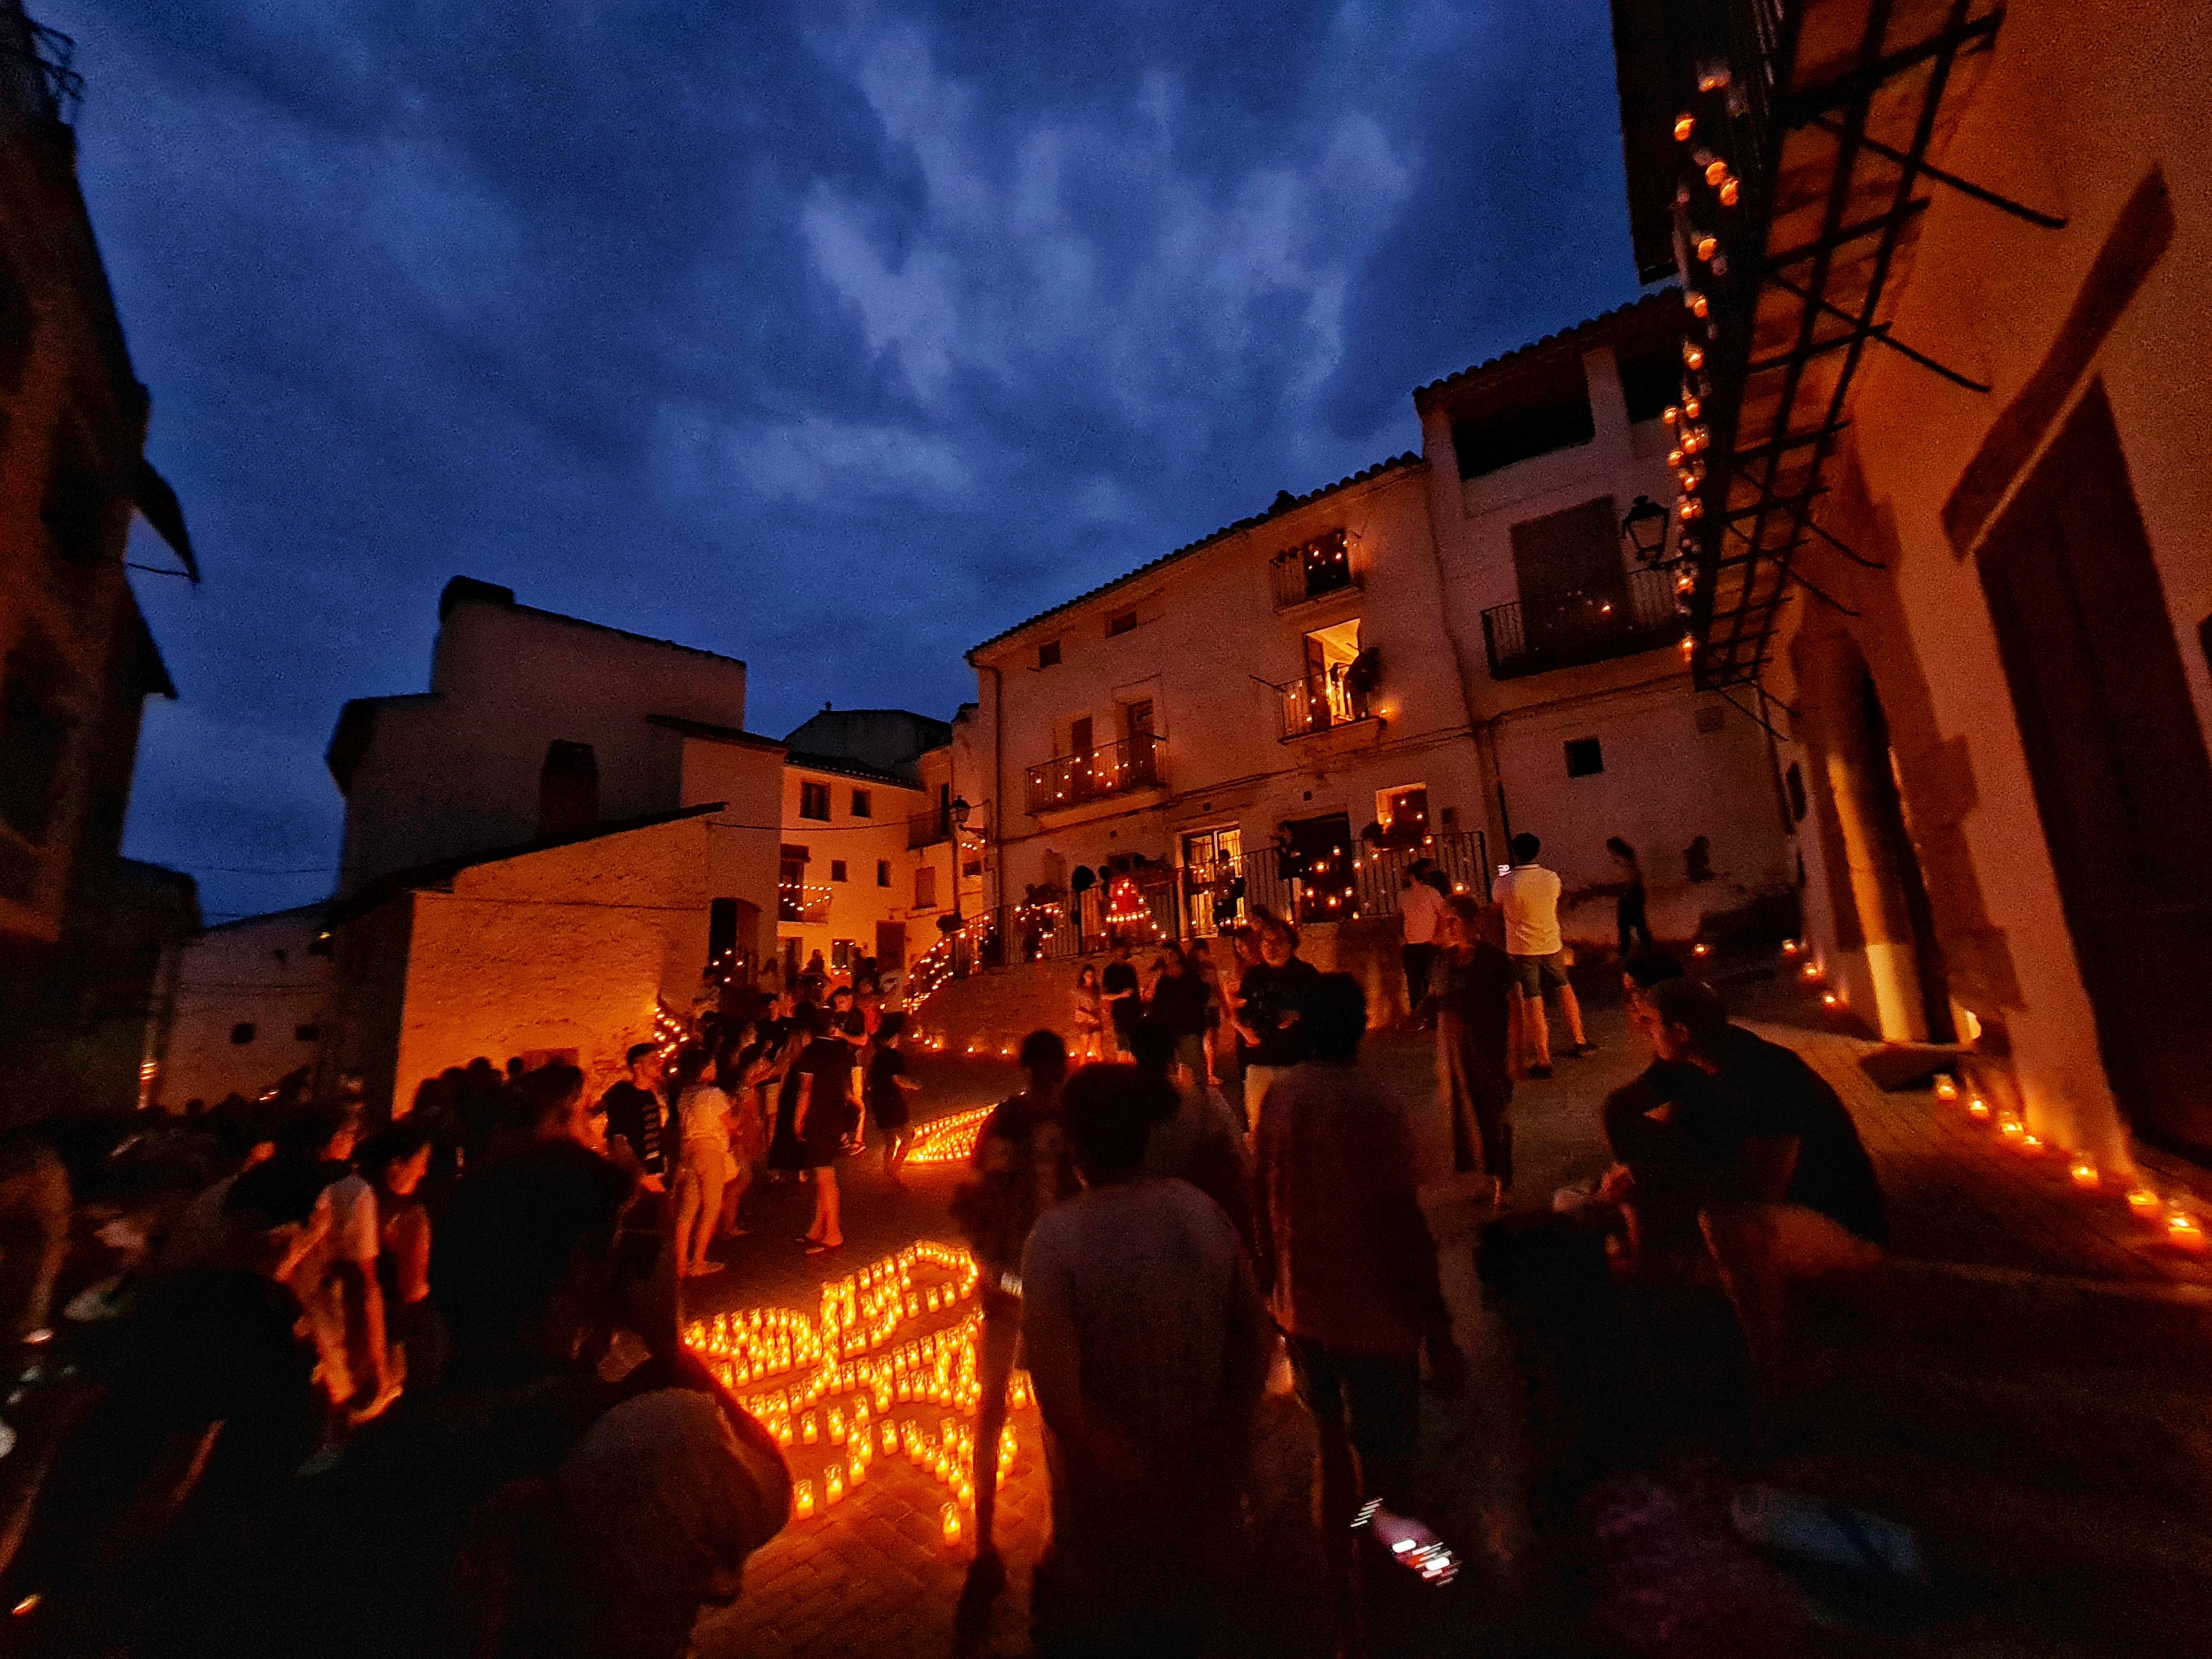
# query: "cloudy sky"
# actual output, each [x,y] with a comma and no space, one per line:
[835,337]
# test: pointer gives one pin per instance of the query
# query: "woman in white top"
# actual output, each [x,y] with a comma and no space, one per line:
[702,1112]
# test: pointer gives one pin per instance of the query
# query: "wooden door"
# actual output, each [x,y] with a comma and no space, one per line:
[2118,765]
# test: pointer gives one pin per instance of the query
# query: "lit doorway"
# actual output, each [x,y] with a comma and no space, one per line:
[1214,879]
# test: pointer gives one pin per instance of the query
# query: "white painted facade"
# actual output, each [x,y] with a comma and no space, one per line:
[1188,683]
[247,1007]
[1675,764]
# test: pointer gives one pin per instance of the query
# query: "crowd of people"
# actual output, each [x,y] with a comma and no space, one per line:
[420,1390]
[350,1374]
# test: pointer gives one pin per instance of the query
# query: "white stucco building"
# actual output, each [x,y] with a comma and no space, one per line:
[1422,659]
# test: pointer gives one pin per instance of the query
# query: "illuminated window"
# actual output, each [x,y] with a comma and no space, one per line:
[814,801]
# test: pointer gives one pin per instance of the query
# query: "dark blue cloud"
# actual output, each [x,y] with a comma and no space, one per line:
[835,337]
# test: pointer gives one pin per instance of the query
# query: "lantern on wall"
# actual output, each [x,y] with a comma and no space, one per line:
[1644,531]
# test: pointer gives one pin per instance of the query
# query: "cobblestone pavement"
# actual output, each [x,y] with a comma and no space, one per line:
[2030,1395]
[874,1576]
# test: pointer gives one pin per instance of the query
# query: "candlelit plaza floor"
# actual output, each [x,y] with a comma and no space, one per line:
[2030,1395]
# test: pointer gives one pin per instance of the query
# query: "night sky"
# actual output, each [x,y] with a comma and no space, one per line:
[834,338]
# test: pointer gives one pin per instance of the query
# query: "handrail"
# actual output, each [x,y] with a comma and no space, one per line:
[1311,704]
[1565,631]
[1111,769]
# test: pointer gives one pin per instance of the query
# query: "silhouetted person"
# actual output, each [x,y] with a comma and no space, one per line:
[1148,1348]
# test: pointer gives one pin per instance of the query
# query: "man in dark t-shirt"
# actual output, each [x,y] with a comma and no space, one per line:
[1787,1190]
[1179,1002]
[1269,1013]
[1124,1005]
[632,1107]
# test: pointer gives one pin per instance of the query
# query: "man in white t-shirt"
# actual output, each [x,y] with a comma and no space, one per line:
[1420,909]
[1529,895]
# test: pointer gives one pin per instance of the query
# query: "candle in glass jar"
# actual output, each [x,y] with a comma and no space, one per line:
[1947,1087]
[834,1483]
[808,1432]
[802,1499]
[949,1520]
[836,1427]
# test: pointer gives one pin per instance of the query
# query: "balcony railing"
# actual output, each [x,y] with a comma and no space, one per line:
[1566,630]
[1312,704]
[1113,769]
[1354,882]
[808,906]
[928,829]
[1314,571]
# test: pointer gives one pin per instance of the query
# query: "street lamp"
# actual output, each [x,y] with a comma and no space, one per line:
[1645,531]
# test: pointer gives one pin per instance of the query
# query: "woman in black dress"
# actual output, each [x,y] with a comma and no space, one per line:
[785,1154]
[824,1115]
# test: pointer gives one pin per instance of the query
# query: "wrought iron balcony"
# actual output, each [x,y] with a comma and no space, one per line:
[928,829]
[1112,768]
[1312,705]
[1314,571]
[808,906]
[1566,630]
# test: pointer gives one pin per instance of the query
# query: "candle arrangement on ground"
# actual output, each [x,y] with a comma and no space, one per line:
[949,1139]
[841,1375]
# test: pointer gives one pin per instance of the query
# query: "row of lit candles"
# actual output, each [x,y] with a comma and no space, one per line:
[950,1459]
[864,1308]
[2180,1226]
[940,1367]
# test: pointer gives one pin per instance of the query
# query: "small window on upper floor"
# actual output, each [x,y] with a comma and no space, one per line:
[1710,718]
[1048,654]
[1120,622]
[320,945]
[1585,758]
[863,804]
[836,869]
[243,1033]
[814,801]
[310,1032]
[883,872]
